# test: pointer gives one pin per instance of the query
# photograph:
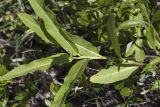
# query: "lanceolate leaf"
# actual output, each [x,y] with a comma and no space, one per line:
[52,26]
[85,48]
[111,32]
[131,23]
[112,74]
[40,64]
[29,21]
[69,80]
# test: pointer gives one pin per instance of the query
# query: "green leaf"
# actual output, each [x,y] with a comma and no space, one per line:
[131,49]
[149,67]
[119,85]
[139,52]
[91,1]
[156,85]
[85,48]
[156,16]
[111,32]
[69,80]
[47,102]
[3,70]
[126,92]
[54,88]
[144,11]
[21,96]
[151,37]
[131,23]
[104,2]
[52,26]
[40,64]
[137,48]
[29,21]
[112,74]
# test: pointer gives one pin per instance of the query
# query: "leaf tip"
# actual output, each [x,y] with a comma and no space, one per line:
[93,78]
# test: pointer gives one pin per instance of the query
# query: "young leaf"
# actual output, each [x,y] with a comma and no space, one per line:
[111,32]
[119,85]
[69,80]
[52,26]
[126,91]
[112,74]
[131,23]
[40,64]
